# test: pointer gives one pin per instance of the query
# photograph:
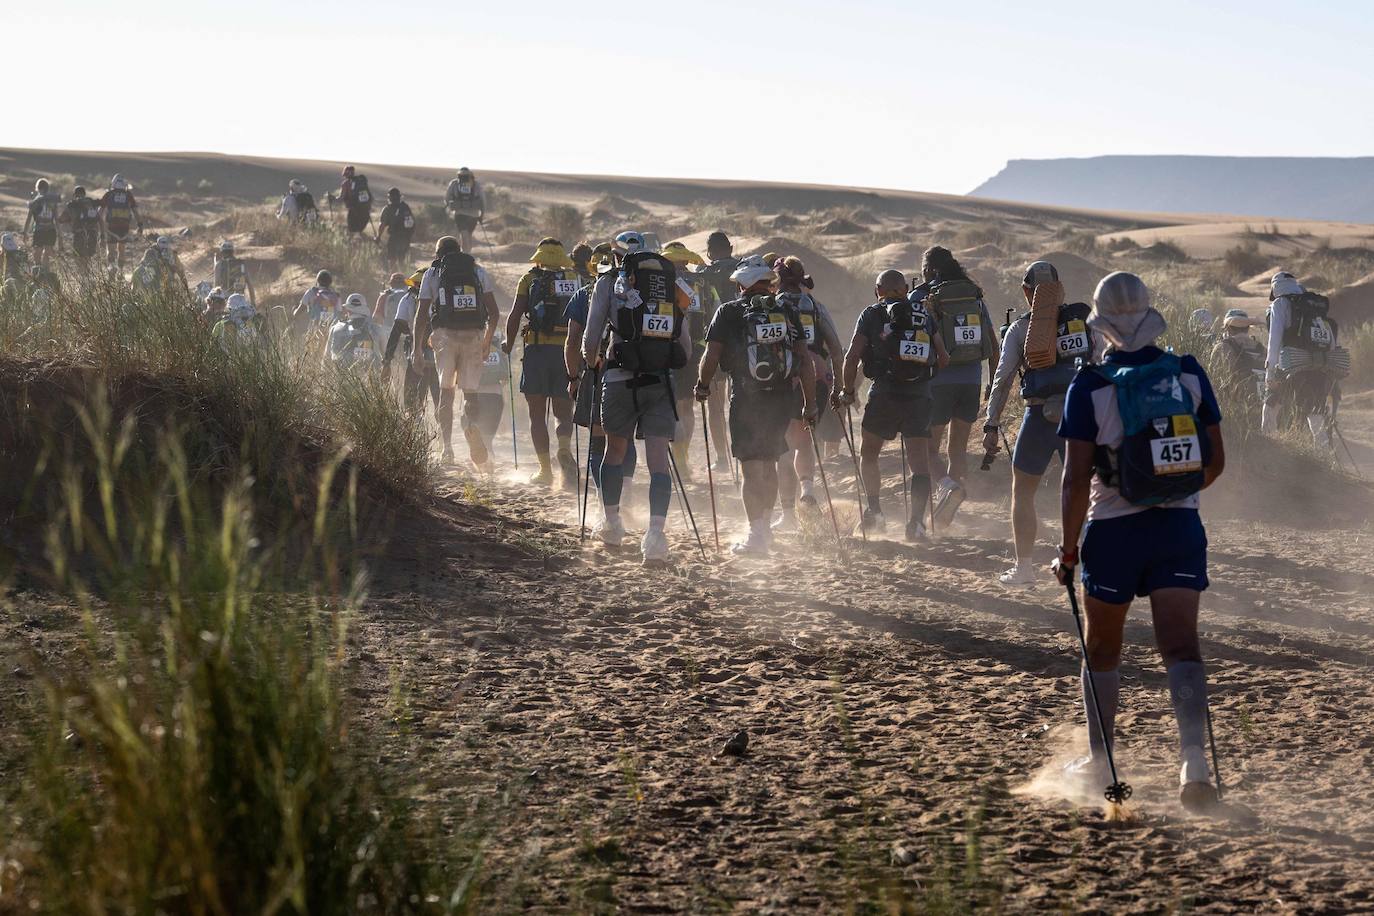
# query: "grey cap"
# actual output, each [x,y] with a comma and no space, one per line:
[1040,272]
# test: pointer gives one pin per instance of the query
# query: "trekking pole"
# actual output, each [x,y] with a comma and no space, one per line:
[1118,791]
[848,431]
[710,477]
[825,485]
[686,504]
[510,385]
[1340,437]
[1212,739]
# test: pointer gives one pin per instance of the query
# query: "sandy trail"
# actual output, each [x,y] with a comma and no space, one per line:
[573,707]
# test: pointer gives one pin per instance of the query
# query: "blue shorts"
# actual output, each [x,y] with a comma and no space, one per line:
[1036,443]
[1134,555]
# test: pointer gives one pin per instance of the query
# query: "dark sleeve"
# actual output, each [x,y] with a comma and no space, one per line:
[723,325]
[1080,419]
[1209,411]
[576,309]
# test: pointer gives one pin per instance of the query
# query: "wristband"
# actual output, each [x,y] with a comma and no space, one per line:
[1068,557]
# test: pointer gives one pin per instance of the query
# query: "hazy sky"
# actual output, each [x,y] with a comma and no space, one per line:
[927,96]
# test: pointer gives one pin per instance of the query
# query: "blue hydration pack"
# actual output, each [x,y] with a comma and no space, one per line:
[1163,452]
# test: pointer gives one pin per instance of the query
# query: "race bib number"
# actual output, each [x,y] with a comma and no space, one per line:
[916,350]
[493,359]
[564,289]
[658,326]
[771,332]
[808,323]
[1174,448]
[970,332]
[465,302]
[408,222]
[1321,333]
[1074,340]
[363,197]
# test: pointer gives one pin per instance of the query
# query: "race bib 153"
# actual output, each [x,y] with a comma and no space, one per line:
[564,289]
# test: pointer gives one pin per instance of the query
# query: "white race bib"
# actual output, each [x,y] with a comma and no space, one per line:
[363,197]
[659,326]
[808,323]
[1180,453]
[465,302]
[1076,342]
[969,334]
[408,222]
[564,289]
[1321,333]
[915,351]
[493,359]
[772,332]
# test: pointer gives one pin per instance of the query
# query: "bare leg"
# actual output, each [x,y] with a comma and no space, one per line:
[445,415]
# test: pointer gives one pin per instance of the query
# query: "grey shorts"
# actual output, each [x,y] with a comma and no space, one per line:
[648,409]
[483,410]
[955,402]
[543,372]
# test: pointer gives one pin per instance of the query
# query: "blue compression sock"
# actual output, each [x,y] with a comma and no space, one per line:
[612,482]
[630,460]
[595,452]
[660,494]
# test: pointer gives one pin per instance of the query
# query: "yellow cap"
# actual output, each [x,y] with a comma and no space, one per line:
[680,254]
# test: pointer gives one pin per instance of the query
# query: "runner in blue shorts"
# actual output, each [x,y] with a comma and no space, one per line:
[1144,439]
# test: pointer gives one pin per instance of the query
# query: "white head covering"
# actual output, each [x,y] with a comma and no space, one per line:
[1123,315]
[1284,284]
[8,242]
[751,270]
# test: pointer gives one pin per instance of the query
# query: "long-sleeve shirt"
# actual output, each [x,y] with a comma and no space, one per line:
[599,317]
[1280,314]
[288,208]
[1009,366]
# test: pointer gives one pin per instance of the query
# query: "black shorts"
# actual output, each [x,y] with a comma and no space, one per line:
[84,242]
[954,402]
[483,410]
[464,222]
[358,218]
[398,246]
[543,371]
[759,421]
[888,414]
[45,237]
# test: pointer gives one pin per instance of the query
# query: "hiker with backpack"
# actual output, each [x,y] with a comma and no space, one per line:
[357,200]
[231,272]
[317,307]
[82,215]
[14,260]
[41,220]
[354,341]
[536,317]
[584,387]
[1044,362]
[898,344]
[388,303]
[464,200]
[956,303]
[118,216]
[457,316]
[238,325]
[721,265]
[1144,439]
[797,467]
[484,406]
[298,204]
[704,305]
[642,305]
[759,339]
[1304,361]
[396,228]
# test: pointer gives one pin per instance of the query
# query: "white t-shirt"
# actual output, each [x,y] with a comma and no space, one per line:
[405,309]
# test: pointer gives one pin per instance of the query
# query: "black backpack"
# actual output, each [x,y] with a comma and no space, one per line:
[550,291]
[907,353]
[361,195]
[404,220]
[770,333]
[650,333]
[457,301]
[1310,327]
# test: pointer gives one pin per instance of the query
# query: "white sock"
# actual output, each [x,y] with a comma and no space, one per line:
[656,522]
[612,512]
[759,527]
[808,486]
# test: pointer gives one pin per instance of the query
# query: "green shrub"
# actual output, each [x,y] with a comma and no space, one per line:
[200,757]
[564,222]
[1244,261]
